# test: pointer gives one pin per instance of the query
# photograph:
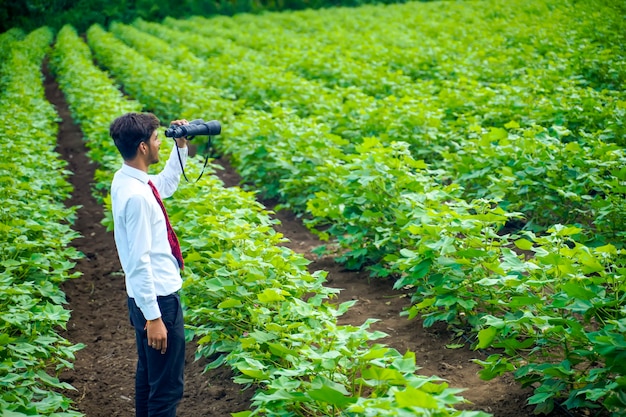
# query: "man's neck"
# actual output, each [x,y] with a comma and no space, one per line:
[137,163]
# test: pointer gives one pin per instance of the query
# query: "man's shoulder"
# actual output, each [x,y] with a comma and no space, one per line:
[124,187]
[119,182]
[128,199]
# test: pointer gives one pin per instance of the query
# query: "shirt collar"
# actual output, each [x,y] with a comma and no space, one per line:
[135,173]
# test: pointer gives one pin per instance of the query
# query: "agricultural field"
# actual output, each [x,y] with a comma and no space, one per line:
[449,175]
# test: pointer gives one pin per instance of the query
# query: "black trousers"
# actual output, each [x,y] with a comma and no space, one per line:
[159,379]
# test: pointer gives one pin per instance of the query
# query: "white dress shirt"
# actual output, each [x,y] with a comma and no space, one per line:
[140,233]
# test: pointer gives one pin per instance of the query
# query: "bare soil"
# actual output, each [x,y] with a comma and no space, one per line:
[104,370]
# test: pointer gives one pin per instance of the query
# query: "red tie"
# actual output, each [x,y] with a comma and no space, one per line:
[171,235]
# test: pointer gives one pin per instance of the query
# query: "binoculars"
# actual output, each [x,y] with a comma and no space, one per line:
[196,127]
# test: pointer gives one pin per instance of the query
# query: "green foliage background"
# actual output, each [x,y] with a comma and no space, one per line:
[31,14]
[474,150]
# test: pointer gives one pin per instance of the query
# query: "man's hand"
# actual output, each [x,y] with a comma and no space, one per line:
[180,142]
[157,334]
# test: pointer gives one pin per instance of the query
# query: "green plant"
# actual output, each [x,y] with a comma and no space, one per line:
[36,256]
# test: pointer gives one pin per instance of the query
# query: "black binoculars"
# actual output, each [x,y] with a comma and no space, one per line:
[196,127]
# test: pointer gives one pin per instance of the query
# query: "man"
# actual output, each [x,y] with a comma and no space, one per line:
[150,256]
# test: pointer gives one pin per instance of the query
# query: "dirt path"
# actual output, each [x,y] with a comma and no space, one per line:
[104,370]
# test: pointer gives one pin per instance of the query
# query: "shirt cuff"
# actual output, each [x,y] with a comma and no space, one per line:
[151,312]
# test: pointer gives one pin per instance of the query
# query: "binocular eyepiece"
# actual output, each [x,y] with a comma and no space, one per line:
[196,127]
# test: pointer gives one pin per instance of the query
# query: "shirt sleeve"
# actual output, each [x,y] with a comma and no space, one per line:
[139,267]
[167,180]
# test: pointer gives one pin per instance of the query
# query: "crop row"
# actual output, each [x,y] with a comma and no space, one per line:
[251,303]
[508,106]
[433,42]
[35,256]
[393,212]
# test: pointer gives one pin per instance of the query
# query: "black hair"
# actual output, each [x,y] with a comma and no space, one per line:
[129,130]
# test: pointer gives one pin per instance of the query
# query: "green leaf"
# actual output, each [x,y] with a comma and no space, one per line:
[411,397]
[383,375]
[523,244]
[485,337]
[329,395]
[575,290]
[229,303]
[270,295]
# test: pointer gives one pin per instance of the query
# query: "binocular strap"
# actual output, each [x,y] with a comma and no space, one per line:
[206,160]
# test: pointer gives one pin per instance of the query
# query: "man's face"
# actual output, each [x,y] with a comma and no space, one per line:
[153,148]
